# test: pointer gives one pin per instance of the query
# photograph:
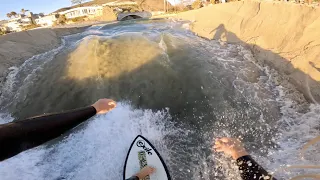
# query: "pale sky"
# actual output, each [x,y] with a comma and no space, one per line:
[35,6]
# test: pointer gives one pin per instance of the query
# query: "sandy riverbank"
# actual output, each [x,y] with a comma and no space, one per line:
[286,36]
[15,48]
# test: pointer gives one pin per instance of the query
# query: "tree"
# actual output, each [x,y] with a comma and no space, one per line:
[13,14]
[79,2]
[9,15]
[23,11]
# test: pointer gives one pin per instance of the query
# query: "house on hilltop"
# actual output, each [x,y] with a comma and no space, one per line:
[89,11]
[47,20]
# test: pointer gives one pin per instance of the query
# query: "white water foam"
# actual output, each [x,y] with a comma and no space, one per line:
[296,128]
[5,118]
[95,152]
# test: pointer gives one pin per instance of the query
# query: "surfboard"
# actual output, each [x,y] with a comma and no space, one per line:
[142,153]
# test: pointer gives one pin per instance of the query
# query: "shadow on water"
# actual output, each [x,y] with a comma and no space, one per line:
[200,94]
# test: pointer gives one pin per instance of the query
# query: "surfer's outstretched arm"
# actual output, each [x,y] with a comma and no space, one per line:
[21,135]
[248,167]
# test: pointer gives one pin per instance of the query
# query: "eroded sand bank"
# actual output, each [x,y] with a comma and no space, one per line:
[285,36]
[15,48]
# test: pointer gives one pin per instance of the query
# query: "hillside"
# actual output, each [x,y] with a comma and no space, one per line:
[147,5]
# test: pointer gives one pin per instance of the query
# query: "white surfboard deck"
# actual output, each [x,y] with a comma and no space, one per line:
[143,153]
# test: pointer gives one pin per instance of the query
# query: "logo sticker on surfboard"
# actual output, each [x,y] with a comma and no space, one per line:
[141,154]
[143,161]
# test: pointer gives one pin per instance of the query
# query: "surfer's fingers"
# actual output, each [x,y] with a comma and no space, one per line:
[152,169]
[217,143]
[112,103]
[225,139]
[219,150]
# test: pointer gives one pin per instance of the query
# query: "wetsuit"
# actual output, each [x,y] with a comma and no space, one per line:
[22,135]
[251,170]
[133,178]
[19,136]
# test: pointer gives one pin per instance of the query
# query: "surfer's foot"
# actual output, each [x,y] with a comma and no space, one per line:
[145,172]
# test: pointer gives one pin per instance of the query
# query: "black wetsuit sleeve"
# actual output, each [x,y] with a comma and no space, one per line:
[133,178]
[250,169]
[21,135]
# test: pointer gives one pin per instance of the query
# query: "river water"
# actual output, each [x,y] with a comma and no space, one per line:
[178,90]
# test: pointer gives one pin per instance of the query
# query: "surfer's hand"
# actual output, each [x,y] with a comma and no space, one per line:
[104,105]
[146,171]
[231,147]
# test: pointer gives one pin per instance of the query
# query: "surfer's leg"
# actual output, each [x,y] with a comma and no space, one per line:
[143,173]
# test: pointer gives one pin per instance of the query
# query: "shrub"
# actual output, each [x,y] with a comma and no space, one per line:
[2,32]
[78,19]
[197,4]
[61,20]
[31,26]
[214,1]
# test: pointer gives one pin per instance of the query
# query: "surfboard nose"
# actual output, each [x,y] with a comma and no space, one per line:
[141,154]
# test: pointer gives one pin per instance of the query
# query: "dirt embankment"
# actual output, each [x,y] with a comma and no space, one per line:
[15,48]
[283,35]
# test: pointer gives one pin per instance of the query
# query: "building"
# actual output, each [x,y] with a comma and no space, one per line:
[18,23]
[47,21]
[90,11]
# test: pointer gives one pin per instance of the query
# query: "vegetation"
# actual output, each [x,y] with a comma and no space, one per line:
[9,15]
[197,4]
[78,19]
[214,1]
[61,20]
[3,32]
[12,14]
[31,26]
[23,11]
